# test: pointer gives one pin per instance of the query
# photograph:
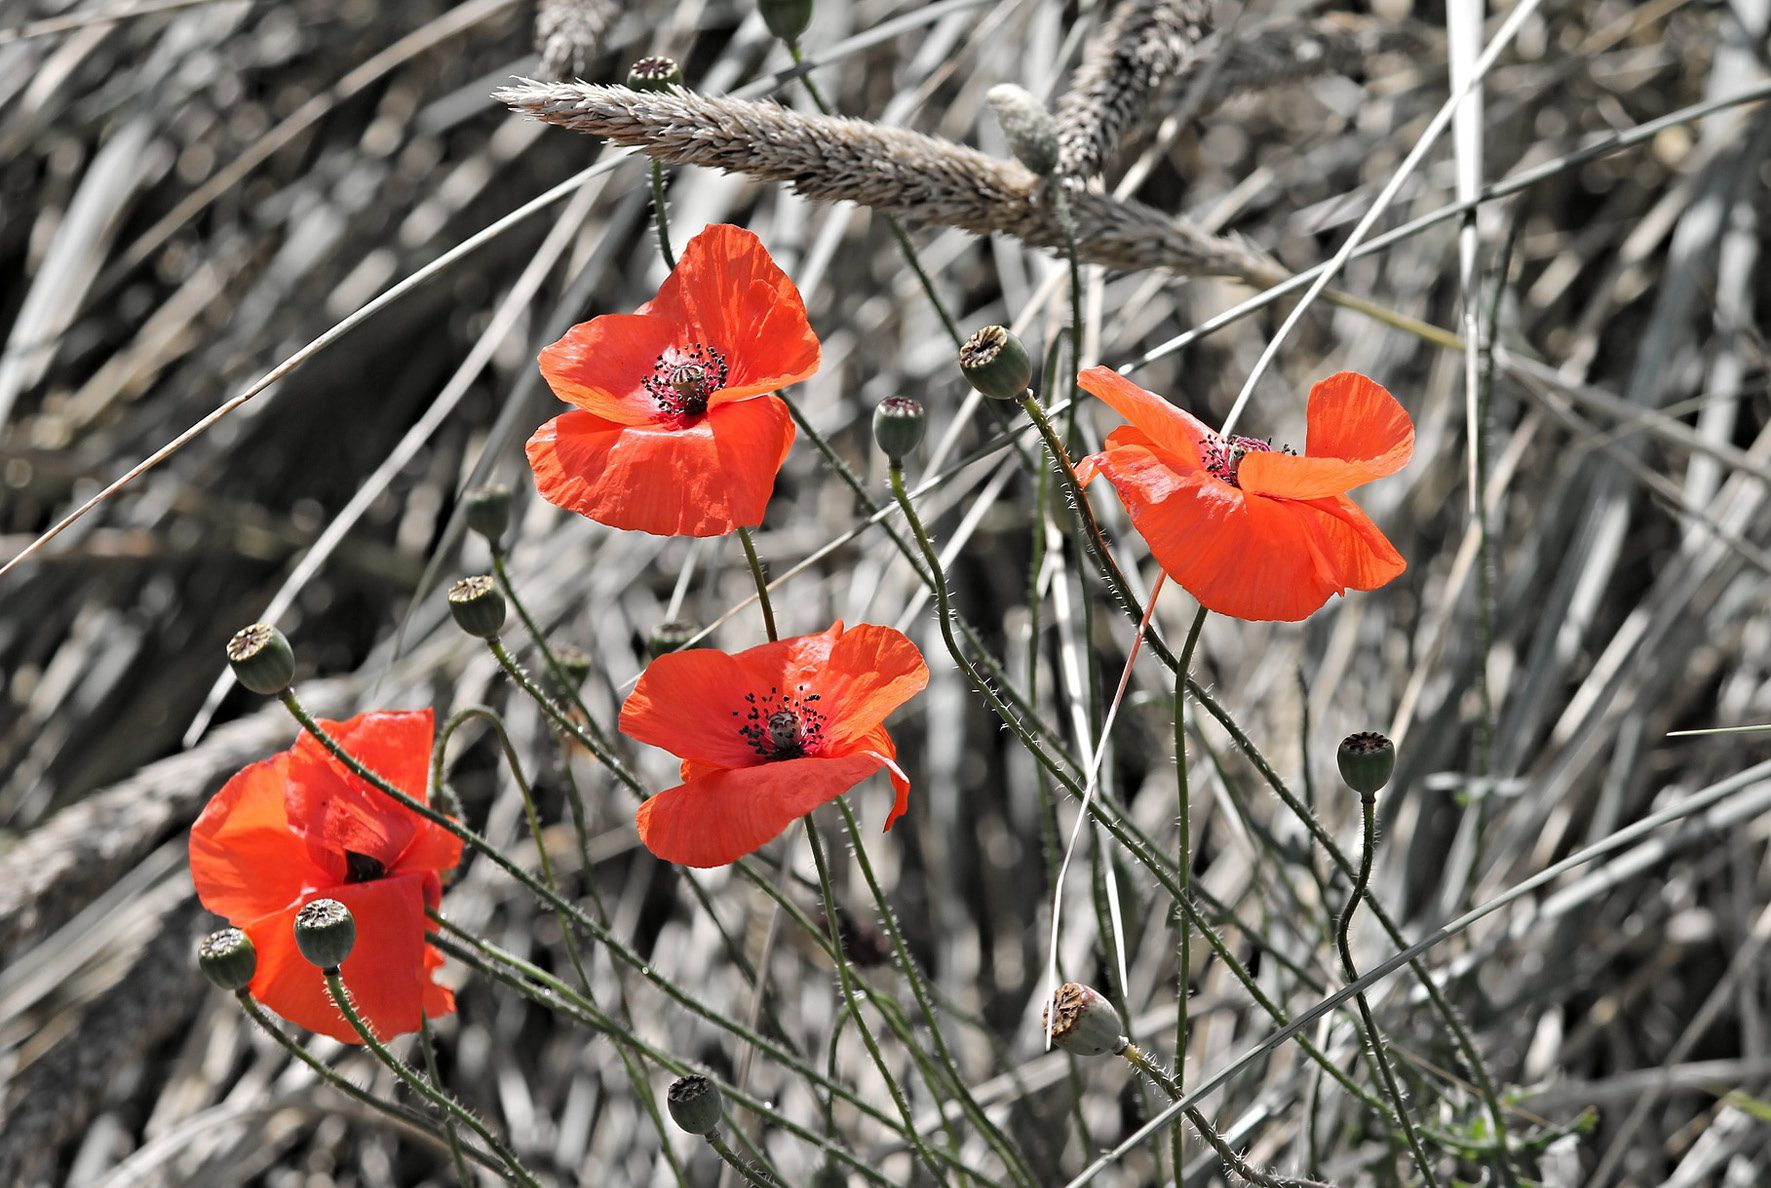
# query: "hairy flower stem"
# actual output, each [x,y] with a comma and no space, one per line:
[338,1081]
[1017,1169]
[1184,854]
[438,1099]
[1374,1040]
[746,1172]
[762,583]
[1134,610]
[429,1050]
[661,216]
[846,978]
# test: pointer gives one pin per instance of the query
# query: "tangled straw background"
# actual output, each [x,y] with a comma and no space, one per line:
[194,193]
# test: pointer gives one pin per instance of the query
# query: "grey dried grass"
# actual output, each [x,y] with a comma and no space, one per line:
[569,35]
[1282,53]
[1142,45]
[892,170]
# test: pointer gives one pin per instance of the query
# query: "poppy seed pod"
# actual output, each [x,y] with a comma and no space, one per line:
[996,364]
[1367,761]
[261,658]
[786,19]
[325,932]
[477,606]
[654,74]
[488,511]
[897,427]
[1083,1023]
[695,1104]
[1031,132]
[669,637]
[228,959]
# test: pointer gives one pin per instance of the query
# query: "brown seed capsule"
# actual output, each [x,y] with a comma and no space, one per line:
[1083,1023]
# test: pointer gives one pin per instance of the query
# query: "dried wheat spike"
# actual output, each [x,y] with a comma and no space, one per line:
[892,170]
[568,34]
[1286,52]
[1139,48]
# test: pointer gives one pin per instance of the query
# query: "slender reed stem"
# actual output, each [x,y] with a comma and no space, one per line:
[661,216]
[1373,1038]
[438,1099]
[762,583]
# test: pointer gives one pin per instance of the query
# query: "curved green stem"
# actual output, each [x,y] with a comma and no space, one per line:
[1373,1038]
[438,1099]
[430,1070]
[661,216]
[762,583]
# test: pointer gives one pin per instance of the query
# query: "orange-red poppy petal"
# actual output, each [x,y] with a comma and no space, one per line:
[692,705]
[386,973]
[336,812]
[721,817]
[1173,431]
[601,365]
[871,671]
[880,743]
[245,861]
[1239,554]
[1358,432]
[704,479]
[728,293]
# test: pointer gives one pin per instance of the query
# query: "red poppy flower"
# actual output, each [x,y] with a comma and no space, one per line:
[768,735]
[298,827]
[676,434]
[1252,532]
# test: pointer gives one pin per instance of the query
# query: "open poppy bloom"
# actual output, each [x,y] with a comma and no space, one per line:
[676,433]
[1250,531]
[298,827]
[768,735]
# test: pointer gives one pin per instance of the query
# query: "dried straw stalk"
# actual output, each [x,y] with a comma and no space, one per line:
[1285,52]
[569,33]
[1142,45]
[892,170]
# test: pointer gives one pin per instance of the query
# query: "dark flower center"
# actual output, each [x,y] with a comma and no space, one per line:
[781,725]
[684,377]
[1223,455]
[361,868]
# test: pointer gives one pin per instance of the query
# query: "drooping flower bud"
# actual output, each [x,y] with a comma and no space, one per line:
[261,658]
[654,74]
[1083,1023]
[478,606]
[694,1104]
[1031,132]
[325,933]
[488,511]
[1367,760]
[786,19]
[228,959]
[996,364]
[670,637]
[897,427]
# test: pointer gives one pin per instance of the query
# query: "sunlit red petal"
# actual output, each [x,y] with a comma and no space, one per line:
[704,479]
[724,816]
[335,811]
[1360,556]
[871,671]
[1358,432]
[245,861]
[1173,432]
[691,704]
[728,293]
[387,972]
[601,365]
[878,742]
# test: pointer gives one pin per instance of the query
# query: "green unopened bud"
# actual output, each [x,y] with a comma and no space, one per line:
[1031,132]
[695,1104]
[996,364]
[1083,1023]
[261,658]
[670,637]
[574,664]
[325,933]
[654,74]
[1367,760]
[228,959]
[488,512]
[786,19]
[478,606]
[897,427]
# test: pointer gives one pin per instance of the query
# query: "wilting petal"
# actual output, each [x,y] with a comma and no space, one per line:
[336,812]
[245,861]
[602,365]
[728,293]
[1173,432]
[724,816]
[871,671]
[386,973]
[704,479]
